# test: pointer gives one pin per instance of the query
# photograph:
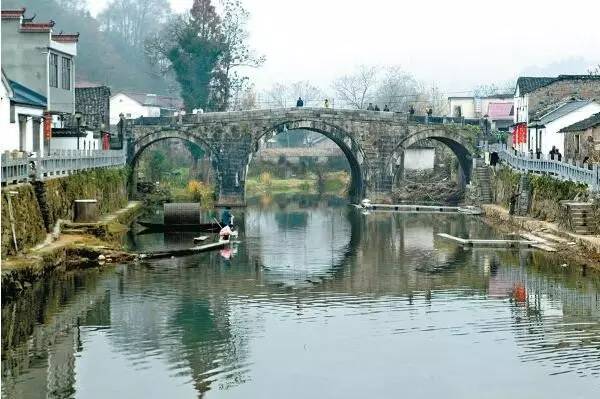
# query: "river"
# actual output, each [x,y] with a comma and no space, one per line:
[316,301]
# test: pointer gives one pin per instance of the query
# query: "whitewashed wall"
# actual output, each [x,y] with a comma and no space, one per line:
[122,104]
[70,143]
[552,137]
[419,158]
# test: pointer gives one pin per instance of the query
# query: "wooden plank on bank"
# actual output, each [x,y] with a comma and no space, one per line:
[489,243]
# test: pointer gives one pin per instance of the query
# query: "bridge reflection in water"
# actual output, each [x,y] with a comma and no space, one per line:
[315,298]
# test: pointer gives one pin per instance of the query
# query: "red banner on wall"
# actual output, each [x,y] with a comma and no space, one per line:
[47,125]
[520,134]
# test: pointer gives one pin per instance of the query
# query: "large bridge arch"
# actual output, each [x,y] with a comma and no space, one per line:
[359,168]
[452,137]
[145,141]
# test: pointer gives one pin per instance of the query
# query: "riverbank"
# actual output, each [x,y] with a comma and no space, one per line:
[70,246]
[575,248]
[330,183]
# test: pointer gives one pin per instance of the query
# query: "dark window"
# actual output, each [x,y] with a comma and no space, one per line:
[53,70]
[66,73]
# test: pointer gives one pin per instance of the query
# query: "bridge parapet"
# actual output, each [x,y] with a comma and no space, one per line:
[303,113]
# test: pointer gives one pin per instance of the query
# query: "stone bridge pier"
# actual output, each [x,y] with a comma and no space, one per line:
[373,143]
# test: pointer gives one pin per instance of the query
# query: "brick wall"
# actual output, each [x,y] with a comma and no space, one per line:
[584,88]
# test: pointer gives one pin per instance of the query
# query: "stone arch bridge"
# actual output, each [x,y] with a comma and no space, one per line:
[373,142]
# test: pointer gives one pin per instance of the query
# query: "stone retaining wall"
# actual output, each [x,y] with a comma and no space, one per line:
[36,207]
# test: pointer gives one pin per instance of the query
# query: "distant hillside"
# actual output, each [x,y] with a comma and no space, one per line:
[102,58]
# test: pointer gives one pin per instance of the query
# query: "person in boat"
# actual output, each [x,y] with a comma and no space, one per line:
[226,217]
[225,233]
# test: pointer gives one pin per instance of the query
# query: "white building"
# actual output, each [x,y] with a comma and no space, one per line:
[475,107]
[22,111]
[544,127]
[136,105]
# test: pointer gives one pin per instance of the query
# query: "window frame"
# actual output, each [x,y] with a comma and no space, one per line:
[53,70]
[66,73]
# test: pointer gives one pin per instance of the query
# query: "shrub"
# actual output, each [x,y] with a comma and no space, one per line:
[200,192]
[265,179]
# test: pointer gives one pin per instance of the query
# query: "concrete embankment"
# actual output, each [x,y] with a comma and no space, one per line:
[543,209]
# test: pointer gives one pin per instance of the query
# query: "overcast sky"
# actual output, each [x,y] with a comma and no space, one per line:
[455,43]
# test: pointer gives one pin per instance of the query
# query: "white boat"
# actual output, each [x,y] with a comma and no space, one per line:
[470,210]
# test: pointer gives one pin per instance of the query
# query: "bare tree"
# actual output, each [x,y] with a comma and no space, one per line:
[594,71]
[276,96]
[355,89]
[244,99]
[304,89]
[397,89]
[493,89]
[285,95]
[133,20]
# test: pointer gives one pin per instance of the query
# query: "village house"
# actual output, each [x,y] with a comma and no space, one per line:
[545,125]
[21,116]
[497,109]
[42,62]
[136,105]
[535,95]
[88,128]
[582,140]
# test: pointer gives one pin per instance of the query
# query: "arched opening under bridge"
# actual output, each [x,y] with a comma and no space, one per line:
[310,147]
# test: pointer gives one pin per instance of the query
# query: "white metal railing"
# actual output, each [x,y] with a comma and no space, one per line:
[561,170]
[58,163]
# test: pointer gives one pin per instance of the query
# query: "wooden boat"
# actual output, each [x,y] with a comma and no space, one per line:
[200,239]
[184,252]
[161,227]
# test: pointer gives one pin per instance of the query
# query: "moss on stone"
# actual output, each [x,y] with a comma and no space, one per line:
[28,222]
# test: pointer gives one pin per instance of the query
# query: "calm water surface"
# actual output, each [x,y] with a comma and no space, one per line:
[316,301]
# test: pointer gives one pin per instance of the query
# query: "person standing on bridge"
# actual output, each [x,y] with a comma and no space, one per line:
[300,102]
[386,108]
[376,108]
[370,107]
[326,103]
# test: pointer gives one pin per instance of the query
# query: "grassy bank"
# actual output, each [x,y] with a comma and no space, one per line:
[330,183]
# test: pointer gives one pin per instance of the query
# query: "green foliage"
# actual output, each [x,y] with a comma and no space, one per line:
[204,50]
[108,186]
[546,187]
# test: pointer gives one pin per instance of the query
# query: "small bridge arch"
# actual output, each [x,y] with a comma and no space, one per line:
[451,136]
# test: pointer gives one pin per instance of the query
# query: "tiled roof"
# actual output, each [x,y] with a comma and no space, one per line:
[499,96]
[13,14]
[156,100]
[500,110]
[26,96]
[37,27]
[563,110]
[94,105]
[66,37]
[528,84]
[85,84]
[592,121]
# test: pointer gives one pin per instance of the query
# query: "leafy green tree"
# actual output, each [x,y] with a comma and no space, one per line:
[204,51]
